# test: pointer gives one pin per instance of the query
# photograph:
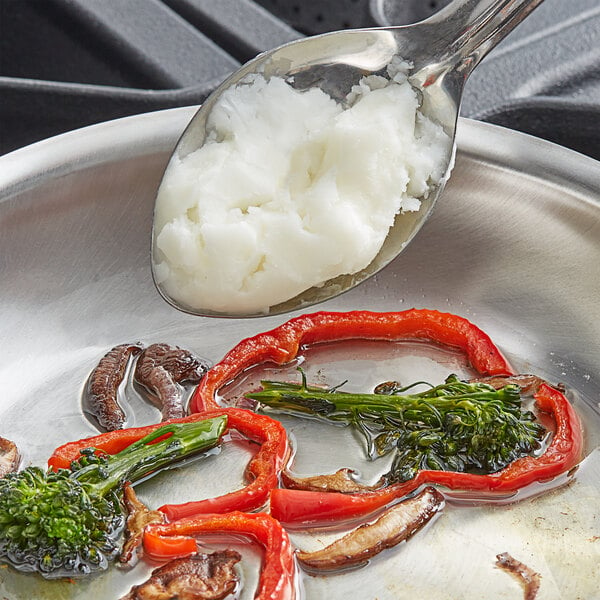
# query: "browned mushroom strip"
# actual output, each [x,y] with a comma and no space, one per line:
[340,481]
[529,579]
[138,516]
[529,384]
[395,525]
[160,369]
[197,577]
[101,392]
[9,457]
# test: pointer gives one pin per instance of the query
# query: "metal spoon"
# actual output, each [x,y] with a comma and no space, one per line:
[443,49]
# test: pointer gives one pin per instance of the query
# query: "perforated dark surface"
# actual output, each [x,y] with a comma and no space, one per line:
[69,63]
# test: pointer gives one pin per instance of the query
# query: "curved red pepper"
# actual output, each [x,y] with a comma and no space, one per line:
[164,542]
[301,508]
[163,548]
[263,470]
[281,345]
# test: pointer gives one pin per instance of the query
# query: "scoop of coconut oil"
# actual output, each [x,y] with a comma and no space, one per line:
[291,189]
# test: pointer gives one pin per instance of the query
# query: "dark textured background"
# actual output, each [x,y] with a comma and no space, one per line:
[69,63]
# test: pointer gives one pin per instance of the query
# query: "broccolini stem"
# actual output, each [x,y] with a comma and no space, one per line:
[162,447]
[341,406]
[455,426]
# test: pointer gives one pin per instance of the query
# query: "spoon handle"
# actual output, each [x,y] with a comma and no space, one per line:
[477,26]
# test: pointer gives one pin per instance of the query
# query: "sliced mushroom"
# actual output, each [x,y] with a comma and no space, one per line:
[10,457]
[395,525]
[100,399]
[340,481]
[197,577]
[161,367]
[138,516]
[528,578]
[529,384]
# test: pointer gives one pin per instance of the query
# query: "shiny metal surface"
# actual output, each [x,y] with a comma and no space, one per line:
[514,245]
[443,50]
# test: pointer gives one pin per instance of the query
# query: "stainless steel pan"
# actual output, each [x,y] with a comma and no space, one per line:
[514,245]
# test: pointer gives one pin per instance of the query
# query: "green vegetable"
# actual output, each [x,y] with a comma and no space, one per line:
[68,522]
[456,426]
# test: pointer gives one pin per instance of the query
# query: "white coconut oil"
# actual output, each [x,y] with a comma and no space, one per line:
[290,190]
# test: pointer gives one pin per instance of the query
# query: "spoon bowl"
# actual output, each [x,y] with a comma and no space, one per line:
[441,52]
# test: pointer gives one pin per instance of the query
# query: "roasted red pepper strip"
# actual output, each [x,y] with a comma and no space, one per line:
[164,542]
[159,547]
[263,470]
[301,508]
[282,344]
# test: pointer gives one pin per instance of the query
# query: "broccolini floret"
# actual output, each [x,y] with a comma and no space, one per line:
[67,523]
[455,426]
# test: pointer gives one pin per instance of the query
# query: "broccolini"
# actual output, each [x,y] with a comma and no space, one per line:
[68,522]
[455,426]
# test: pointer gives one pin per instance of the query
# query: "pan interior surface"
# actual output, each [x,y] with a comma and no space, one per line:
[513,245]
